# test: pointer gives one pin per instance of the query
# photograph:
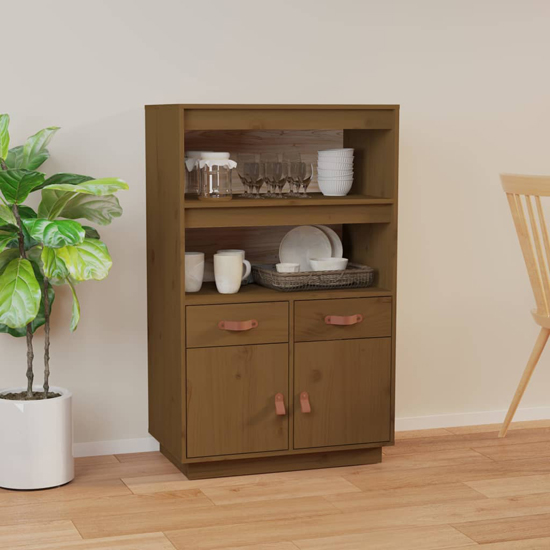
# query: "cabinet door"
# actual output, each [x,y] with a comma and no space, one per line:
[231,395]
[349,388]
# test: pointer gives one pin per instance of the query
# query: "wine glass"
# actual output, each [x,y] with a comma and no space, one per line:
[280,178]
[244,161]
[305,175]
[292,160]
[253,175]
[269,163]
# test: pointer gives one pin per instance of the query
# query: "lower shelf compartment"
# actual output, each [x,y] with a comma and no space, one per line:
[263,465]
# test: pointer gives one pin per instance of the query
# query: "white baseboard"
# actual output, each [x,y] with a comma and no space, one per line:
[115,447]
[467,419]
[146,444]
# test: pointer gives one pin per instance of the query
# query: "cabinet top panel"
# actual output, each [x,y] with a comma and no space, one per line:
[210,106]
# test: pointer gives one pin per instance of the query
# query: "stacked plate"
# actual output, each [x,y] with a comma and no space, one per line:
[335,170]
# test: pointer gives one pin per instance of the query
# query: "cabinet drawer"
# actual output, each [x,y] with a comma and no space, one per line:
[237,324]
[344,318]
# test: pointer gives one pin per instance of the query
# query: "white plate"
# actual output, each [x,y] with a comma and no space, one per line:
[335,242]
[302,243]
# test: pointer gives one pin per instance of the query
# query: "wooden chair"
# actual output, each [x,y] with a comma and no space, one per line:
[524,193]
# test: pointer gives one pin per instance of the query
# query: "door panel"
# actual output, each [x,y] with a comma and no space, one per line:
[349,387]
[231,400]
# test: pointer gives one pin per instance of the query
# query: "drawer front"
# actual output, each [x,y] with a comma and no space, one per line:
[342,319]
[237,324]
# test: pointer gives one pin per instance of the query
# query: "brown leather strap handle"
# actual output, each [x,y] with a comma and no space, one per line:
[304,402]
[238,326]
[280,404]
[343,320]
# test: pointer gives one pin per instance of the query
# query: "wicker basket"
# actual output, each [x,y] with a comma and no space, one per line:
[355,276]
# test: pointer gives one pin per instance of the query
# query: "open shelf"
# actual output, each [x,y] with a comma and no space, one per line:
[316,199]
[256,293]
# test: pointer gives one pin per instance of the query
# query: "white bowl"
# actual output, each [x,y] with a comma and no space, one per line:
[336,179]
[336,153]
[326,173]
[287,268]
[331,188]
[328,264]
[346,166]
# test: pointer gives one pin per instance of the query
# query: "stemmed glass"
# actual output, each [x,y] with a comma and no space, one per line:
[269,162]
[243,161]
[292,160]
[305,175]
[280,178]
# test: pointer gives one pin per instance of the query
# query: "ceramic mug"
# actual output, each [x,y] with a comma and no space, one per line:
[247,268]
[194,271]
[228,269]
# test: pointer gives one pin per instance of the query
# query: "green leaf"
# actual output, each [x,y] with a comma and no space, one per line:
[26,212]
[100,210]
[19,294]
[54,234]
[40,318]
[14,158]
[91,233]
[54,267]
[75,317]
[6,257]
[34,150]
[6,215]
[99,188]
[4,136]
[6,239]
[89,260]
[17,184]
[65,178]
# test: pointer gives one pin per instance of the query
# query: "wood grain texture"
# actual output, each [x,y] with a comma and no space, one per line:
[455,499]
[310,325]
[231,399]
[203,329]
[348,382]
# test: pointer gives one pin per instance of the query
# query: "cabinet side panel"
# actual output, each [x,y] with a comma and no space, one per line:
[164,290]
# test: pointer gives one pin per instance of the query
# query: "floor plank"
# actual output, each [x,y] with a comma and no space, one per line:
[520,425]
[500,530]
[278,489]
[424,538]
[512,486]
[516,452]
[149,541]
[529,544]
[415,434]
[52,532]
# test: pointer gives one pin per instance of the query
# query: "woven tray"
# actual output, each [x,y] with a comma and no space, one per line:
[355,276]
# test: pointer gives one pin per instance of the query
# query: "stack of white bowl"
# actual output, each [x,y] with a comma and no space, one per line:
[335,171]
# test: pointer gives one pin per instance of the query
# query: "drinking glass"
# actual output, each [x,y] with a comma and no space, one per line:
[269,163]
[243,161]
[280,178]
[254,176]
[292,160]
[305,175]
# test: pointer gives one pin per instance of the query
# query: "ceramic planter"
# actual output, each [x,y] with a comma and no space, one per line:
[36,441]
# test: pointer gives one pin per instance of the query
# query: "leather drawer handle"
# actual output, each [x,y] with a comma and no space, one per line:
[280,404]
[304,402]
[343,320]
[238,326]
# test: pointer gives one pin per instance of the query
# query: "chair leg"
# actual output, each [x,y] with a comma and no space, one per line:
[529,369]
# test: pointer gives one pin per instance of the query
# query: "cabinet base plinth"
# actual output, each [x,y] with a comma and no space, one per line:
[264,465]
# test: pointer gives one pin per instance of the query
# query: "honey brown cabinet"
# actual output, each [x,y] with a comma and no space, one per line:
[231,394]
[227,372]
[345,388]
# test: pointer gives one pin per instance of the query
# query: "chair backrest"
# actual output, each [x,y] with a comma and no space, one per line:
[524,193]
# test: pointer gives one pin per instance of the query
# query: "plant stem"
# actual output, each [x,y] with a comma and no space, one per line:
[30,352]
[46,339]
[3,164]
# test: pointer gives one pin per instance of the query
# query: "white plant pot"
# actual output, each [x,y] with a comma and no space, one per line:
[36,441]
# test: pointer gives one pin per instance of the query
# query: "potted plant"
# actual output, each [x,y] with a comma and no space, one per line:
[39,251]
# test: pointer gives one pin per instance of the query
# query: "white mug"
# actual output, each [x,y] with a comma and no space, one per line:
[194,271]
[228,269]
[247,268]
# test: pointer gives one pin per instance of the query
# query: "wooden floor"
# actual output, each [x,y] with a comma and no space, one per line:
[452,488]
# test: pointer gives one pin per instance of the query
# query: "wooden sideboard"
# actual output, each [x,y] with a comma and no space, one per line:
[294,392]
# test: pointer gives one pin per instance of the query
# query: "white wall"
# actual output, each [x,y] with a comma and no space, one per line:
[473,82]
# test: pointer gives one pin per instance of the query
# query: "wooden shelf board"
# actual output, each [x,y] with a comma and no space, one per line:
[316,199]
[256,293]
